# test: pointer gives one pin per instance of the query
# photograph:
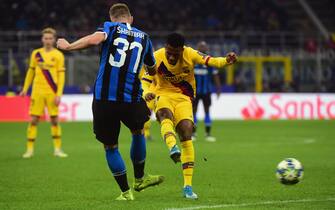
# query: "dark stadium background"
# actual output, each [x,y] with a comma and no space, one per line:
[259,27]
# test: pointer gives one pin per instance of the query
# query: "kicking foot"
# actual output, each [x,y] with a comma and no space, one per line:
[175,154]
[28,154]
[126,196]
[188,193]
[210,138]
[60,153]
[147,181]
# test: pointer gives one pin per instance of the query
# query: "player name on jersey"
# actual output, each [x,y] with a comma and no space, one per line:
[127,32]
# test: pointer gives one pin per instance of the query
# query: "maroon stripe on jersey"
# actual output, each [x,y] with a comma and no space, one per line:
[185,87]
[163,70]
[49,79]
[207,60]
[39,57]
[148,80]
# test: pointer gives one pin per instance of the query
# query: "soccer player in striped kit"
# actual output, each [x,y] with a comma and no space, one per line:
[118,93]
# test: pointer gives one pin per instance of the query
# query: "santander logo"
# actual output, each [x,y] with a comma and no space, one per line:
[253,111]
[286,106]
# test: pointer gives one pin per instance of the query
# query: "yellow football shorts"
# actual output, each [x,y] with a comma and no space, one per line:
[39,102]
[180,105]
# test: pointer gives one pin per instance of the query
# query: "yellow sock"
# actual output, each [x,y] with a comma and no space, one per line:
[31,136]
[56,133]
[187,160]
[168,134]
[147,129]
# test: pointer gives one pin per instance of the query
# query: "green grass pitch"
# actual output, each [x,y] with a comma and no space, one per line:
[236,172]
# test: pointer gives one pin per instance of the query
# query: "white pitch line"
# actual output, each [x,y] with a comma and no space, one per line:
[252,204]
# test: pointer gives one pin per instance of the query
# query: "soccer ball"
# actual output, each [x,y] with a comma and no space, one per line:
[289,171]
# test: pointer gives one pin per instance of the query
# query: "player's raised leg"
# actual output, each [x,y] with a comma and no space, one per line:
[31,136]
[184,129]
[165,117]
[134,116]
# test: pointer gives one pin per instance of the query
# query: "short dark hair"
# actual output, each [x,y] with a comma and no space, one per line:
[118,10]
[175,40]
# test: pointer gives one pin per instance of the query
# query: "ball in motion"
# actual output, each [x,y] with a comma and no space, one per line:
[289,171]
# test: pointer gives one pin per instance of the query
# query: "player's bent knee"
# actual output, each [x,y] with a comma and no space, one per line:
[164,113]
[185,130]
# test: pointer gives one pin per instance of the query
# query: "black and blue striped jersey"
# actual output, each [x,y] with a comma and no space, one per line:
[122,55]
[203,79]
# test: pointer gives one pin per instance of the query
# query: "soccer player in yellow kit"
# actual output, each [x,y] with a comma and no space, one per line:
[174,93]
[46,73]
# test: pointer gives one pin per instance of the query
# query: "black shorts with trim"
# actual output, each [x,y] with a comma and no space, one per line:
[108,115]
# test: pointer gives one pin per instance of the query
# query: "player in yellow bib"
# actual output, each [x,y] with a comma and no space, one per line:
[174,93]
[46,73]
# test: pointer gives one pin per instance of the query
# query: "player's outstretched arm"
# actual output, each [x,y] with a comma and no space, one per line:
[85,42]
[220,62]
[215,62]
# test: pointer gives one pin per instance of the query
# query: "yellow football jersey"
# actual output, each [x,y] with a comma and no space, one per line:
[46,66]
[180,78]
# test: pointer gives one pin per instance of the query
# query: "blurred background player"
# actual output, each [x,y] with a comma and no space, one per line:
[174,93]
[46,73]
[204,75]
[118,93]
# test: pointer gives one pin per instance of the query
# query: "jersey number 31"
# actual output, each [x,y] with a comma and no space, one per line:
[122,52]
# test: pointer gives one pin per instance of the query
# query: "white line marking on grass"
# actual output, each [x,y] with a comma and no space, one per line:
[221,206]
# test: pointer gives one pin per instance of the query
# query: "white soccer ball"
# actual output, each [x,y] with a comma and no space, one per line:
[289,171]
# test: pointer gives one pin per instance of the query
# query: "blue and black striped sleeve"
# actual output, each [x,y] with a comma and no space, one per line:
[105,27]
[149,58]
